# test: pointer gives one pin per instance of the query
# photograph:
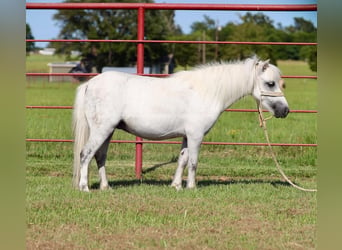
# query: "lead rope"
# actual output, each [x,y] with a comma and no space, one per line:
[262,121]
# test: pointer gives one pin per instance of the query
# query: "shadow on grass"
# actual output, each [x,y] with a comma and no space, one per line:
[274,183]
[155,167]
[200,183]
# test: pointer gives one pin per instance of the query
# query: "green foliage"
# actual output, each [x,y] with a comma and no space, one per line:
[252,28]
[187,54]
[29,45]
[114,24]
[159,25]
[255,28]
[304,31]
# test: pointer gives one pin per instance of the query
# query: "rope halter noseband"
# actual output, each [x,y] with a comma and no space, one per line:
[272,94]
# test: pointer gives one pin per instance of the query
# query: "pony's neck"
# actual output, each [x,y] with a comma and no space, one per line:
[221,85]
[235,82]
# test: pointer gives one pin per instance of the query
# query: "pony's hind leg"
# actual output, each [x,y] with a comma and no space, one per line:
[182,161]
[86,155]
[101,156]
[97,138]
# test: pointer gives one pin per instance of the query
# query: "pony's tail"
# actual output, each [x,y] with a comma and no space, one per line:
[80,131]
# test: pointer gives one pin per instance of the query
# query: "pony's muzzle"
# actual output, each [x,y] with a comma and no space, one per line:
[280,110]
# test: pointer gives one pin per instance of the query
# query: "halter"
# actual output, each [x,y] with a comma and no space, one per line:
[272,94]
[262,120]
[265,93]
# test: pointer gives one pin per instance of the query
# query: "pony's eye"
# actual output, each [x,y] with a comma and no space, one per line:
[270,84]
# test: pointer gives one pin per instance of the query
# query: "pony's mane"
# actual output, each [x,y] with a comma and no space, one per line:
[231,62]
[219,81]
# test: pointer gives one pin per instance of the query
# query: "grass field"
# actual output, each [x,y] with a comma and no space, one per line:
[241,202]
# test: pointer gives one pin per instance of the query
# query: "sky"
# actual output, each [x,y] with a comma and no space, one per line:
[44,27]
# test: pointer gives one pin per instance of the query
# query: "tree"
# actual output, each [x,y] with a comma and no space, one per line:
[253,28]
[302,25]
[29,45]
[305,31]
[114,24]
[186,54]
[206,31]
[208,25]
[256,28]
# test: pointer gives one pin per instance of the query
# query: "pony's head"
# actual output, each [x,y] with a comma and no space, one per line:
[267,89]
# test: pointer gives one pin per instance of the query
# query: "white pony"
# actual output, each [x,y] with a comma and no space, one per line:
[186,104]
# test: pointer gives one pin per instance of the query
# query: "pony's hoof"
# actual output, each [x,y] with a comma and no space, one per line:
[84,188]
[176,186]
[191,186]
[105,187]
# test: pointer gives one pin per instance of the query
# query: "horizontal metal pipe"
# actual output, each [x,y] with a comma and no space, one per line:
[179,142]
[227,110]
[155,75]
[169,41]
[175,6]
[49,107]
[62,74]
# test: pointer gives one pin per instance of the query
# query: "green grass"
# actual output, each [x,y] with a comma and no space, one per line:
[37,63]
[241,201]
[232,215]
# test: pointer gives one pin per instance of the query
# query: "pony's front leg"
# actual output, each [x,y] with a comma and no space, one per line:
[103,178]
[194,148]
[182,161]
[192,167]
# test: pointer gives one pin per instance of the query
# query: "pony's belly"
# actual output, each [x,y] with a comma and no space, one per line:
[155,131]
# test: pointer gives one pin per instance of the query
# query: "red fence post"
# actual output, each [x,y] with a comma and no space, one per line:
[140,71]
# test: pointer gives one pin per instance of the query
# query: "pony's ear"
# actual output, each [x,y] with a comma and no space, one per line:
[265,65]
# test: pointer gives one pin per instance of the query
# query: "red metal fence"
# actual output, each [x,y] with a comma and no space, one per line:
[140,41]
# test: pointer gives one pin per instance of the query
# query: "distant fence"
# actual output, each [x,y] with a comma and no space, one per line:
[140,41]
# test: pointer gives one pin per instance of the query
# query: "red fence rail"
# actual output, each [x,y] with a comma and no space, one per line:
[160,75]
[179,142]
[141,7]
[227,110]
[169,41]
[168,6]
